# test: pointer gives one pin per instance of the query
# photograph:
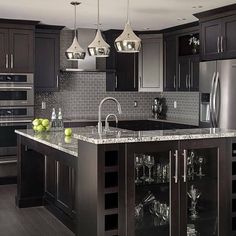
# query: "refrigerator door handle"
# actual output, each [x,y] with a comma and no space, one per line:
[214,98]
[211,99]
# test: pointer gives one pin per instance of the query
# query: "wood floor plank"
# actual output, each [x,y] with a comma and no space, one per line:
[35,221]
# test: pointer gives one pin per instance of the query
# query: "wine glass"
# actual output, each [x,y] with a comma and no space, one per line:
[144,177]
[138,165]
[194,194]
[200,161]
[149,162]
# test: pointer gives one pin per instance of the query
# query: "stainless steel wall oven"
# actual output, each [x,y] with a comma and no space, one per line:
[16,112]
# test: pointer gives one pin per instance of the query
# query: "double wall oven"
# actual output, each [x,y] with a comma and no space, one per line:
[16,112]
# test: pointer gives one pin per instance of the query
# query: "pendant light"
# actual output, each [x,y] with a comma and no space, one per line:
[128,41]
[75,51]
[99,47]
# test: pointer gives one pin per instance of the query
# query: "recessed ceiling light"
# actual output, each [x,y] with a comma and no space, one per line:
[147,28]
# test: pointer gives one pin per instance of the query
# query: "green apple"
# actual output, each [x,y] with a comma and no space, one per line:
[40,121]
[35,128]
[68,132]
[36,122]
[47,128]
[40,128]
[45,122]
[67,139]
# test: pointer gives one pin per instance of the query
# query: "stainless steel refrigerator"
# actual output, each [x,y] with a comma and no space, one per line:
[217,85]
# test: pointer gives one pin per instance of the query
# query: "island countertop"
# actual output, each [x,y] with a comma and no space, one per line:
[126,136]
[55,140]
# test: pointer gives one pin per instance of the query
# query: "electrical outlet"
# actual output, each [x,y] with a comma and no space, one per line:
[135,103]
[175,104]
[43,105]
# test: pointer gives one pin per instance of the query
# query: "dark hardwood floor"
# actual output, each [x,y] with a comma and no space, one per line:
[36,221]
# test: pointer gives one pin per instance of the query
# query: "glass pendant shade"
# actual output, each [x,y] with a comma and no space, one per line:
[75,51]
[128,41]
[99,48]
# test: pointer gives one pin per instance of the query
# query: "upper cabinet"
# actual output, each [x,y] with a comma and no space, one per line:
[217,33]
[17,47]
[122,68]
[47,58]
[151,63]
[181,60]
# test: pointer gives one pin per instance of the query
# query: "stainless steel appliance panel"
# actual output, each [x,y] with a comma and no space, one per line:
[225,90]
[207,72]
[19,78]
[15,113]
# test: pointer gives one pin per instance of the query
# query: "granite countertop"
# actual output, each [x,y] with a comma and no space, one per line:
[133,118]
[89,134]
[55,140]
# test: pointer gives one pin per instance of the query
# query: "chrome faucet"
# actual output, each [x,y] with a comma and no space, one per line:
[100,111]
[107,123]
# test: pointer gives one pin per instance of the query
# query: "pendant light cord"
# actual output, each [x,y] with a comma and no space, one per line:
[75,23]
[98,19]
[128,11]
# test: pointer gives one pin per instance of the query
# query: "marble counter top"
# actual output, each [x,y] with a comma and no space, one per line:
[55,140]
[89,134]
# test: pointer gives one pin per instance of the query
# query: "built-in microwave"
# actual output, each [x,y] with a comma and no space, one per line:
[16,90]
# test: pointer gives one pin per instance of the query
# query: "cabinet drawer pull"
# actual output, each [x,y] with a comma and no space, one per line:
[12,61]
[7,61]
[218,44]
[176,155]
[185,166]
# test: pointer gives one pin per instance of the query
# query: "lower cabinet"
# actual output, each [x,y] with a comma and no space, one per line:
[59,186]
[178,188]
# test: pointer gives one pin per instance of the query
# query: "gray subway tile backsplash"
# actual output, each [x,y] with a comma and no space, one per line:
[80,93]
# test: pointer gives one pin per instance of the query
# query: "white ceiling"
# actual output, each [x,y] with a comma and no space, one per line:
[153,14]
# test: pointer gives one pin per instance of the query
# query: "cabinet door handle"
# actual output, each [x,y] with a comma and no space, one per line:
[186,81]
[134,71]
[174,81]
[12,61]
[57,180]
[57,81]
[185,166]
[179,74]
[221,44]
[116,86]
[7,61]
[176,155]
[218,44]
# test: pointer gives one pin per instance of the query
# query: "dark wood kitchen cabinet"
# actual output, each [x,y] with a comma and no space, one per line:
[181,72]
[59,187]
[17,49]
[170,60]
[47,58]
[217,33]
[122,67]
[188,73]
[178,189]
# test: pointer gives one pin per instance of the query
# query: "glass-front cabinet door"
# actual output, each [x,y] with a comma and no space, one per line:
[202,191]
[152,189]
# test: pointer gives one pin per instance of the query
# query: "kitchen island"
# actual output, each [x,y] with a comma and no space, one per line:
[131,182]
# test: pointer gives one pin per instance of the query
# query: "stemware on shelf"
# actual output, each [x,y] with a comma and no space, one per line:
[149,162]
[194,194]
[138,165]
[144,177]
[200,162]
